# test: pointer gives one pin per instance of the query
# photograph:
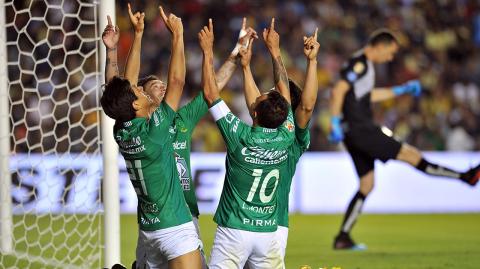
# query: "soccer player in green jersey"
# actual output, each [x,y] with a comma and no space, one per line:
[188,116]
[167,235]
[303,103]
[256,161]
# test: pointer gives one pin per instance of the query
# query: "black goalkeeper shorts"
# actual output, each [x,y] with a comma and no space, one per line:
[368,143]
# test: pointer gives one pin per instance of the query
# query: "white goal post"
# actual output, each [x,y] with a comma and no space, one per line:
[111,200]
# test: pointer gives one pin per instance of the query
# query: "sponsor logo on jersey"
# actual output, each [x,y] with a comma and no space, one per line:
[289,125]
[183,172]
[260,152]
[149,207]
[259,155]
[127,123]
[179,145]
[260,222]
[145,221]
[358,67]
[135,150]
[134,142]
[235,126]
[155,119]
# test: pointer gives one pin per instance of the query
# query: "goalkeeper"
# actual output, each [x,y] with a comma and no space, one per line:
[365,141]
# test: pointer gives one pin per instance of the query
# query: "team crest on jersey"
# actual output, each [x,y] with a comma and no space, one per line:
[358,67]
[289,125]
[183,172]
[184,130]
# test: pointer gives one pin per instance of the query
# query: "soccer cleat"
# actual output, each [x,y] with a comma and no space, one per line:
[345,242]
[472,176]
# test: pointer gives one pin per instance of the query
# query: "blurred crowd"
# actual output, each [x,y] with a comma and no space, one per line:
[440,43]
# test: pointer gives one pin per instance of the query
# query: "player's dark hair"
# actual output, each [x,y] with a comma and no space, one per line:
[117,100]
[145,80]
[295,94]
[273,111]
[382,36]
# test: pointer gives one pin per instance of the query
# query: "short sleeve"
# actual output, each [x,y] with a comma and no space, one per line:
[354,69]
[160,123]
[192,112]
[231,127]
[302,138]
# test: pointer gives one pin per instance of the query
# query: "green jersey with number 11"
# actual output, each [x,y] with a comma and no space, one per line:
[257,159]
[146,145]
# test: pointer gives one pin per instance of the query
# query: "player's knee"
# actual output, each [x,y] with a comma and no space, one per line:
[409,154]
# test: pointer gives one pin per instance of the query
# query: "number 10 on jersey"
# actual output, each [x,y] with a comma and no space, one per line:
[257,173]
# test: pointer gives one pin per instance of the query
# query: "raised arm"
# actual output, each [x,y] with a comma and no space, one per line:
[272,40]
[250,87]
[110,37]
[132,67]
[210,87]
[226,70]
[304,110]
[176,69]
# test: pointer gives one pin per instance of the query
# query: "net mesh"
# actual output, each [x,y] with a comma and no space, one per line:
[55,157]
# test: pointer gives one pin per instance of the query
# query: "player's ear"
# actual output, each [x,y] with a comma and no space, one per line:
[136,105]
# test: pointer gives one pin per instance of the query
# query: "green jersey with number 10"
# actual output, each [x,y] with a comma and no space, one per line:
[257,159]
[146,145]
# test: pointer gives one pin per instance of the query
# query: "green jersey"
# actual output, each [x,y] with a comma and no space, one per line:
[295,151]
[146,146]
[185,121]
[257,158]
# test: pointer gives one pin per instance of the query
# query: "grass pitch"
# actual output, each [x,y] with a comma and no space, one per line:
[394,241]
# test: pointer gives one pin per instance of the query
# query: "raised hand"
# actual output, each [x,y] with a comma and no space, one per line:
[246,53]
[110,35]
[173,23]
[205,36]
[137,20]
[271,37]
[244,37]
[311,46]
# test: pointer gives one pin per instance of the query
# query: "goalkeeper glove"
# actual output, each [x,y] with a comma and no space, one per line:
[336,132]
[412,87]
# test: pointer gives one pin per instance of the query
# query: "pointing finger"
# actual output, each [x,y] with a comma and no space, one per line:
[130,10]
[162,14]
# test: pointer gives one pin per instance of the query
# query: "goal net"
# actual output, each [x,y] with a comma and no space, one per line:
[51,203]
